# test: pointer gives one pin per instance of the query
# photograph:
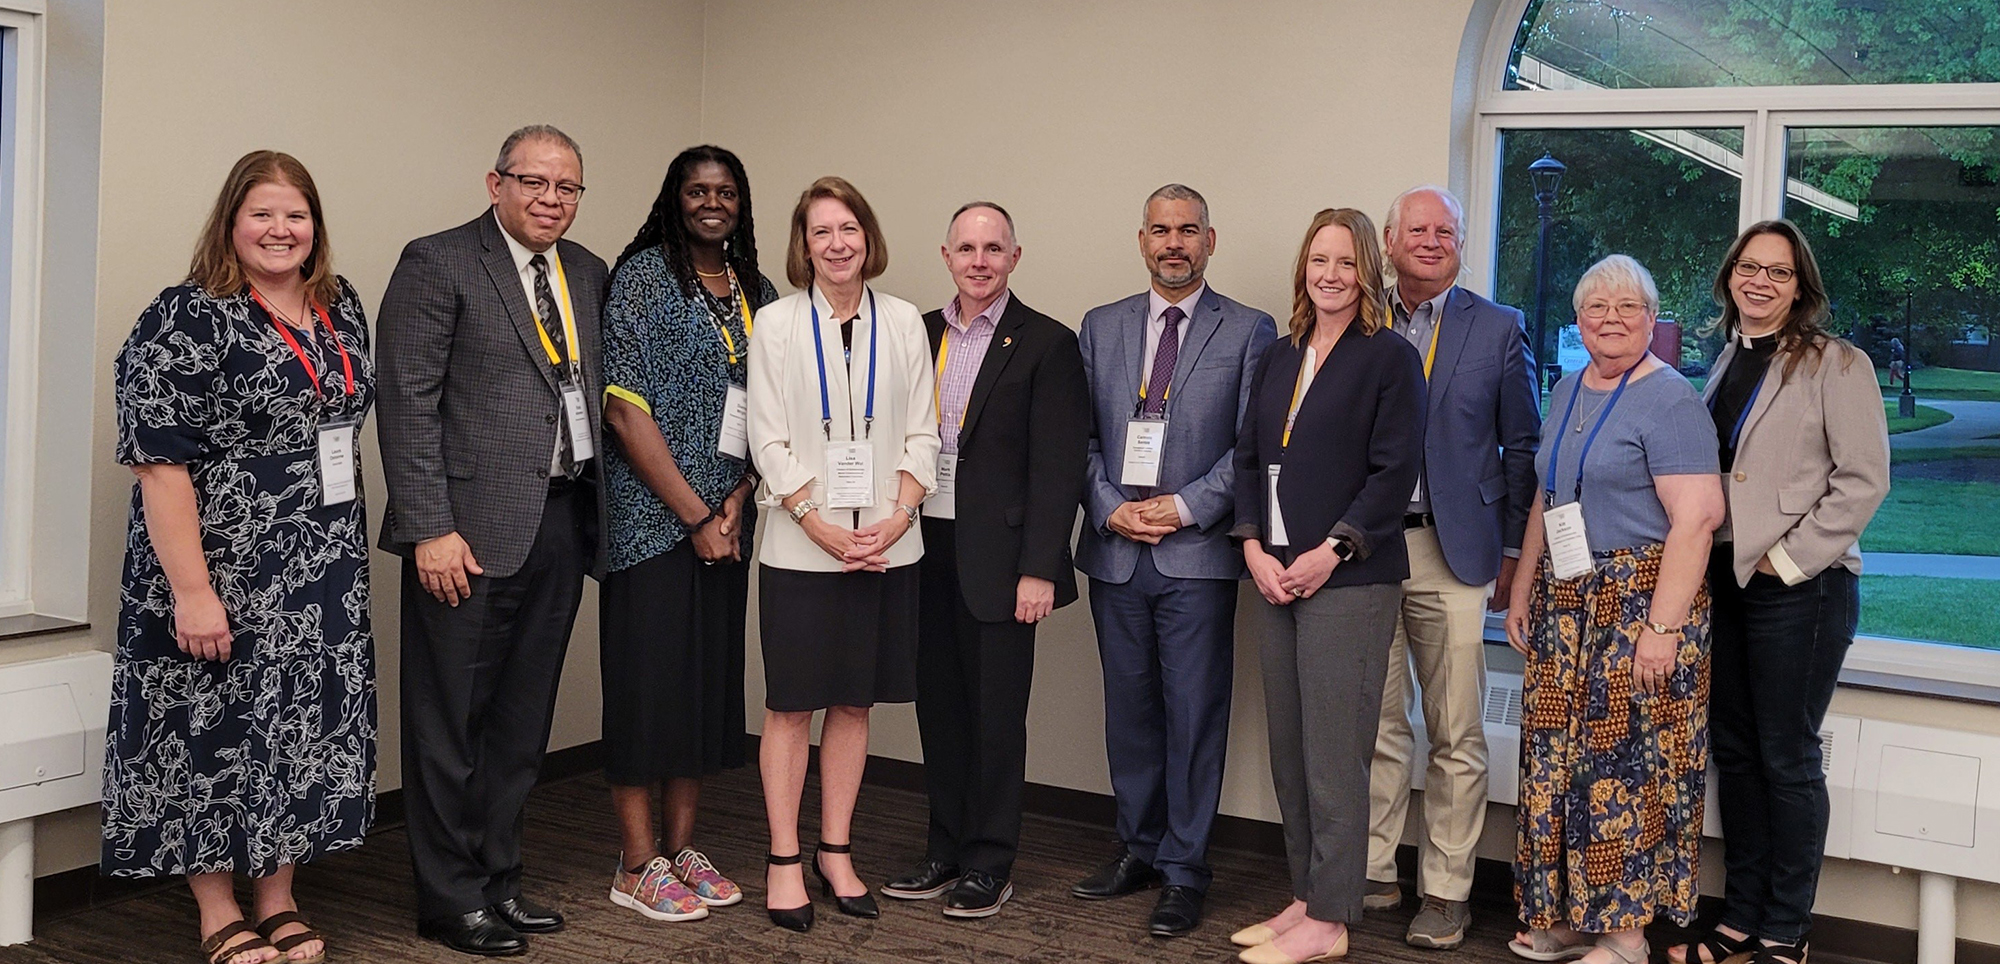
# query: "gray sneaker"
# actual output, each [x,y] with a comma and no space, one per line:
[1440,924]
[1382,896]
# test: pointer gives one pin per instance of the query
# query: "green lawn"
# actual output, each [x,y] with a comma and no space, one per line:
[1929,515]
[1926,417]
[1961,611]
[1956,383]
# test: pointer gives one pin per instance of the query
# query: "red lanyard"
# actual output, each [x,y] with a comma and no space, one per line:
[284,332]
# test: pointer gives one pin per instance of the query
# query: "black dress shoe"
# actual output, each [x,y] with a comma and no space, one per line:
[479,932]
[1123,875]
[931,878]
[1177,912]
[799,918]
[528,918]
[862,906]
[978,894]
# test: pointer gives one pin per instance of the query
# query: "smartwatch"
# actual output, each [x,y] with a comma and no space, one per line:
[1341,547]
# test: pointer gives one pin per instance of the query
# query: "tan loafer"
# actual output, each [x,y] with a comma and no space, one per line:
[1269,953]
[1253,935]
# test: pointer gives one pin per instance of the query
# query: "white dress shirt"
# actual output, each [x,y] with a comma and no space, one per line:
[1156,325]
[787,442]
[521,258]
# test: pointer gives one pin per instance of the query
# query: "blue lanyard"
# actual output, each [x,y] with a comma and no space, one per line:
[1555,457]
[819,353]
[1736,434]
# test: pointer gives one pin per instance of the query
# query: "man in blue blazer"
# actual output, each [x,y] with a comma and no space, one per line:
[1169,374]
[1463,531]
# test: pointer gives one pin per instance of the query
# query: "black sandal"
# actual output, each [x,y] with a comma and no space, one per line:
[1716,947]
[798,919]
[212,945]
[1781,954]
[269,927]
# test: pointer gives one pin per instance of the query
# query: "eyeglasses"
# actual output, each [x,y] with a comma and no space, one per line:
[1627,310]
[536,187]
[1778,273]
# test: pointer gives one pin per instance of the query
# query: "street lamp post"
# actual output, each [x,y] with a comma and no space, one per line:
[1547,175]
[1906,405]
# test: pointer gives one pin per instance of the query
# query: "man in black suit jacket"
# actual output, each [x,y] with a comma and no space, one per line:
[1012,406]
[489,383]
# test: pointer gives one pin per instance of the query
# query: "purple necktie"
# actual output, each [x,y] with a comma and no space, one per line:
[1164,357]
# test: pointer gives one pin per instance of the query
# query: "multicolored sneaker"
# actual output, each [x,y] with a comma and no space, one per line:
[715,890]
[656,893]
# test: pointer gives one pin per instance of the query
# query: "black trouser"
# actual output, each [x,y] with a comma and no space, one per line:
[1776,657]
[479,694]
[972,710]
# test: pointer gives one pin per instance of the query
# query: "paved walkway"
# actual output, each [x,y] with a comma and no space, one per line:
[1971,423]
[1930,564]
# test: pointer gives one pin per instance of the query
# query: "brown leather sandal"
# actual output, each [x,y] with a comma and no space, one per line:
[212,946]
[269,926]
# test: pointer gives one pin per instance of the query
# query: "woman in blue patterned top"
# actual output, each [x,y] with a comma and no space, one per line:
[676,343]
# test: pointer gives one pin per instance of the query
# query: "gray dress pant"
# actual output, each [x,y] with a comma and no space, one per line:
[1325,660]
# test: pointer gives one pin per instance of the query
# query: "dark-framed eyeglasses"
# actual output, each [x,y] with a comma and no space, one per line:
[1778,273]
[537,187]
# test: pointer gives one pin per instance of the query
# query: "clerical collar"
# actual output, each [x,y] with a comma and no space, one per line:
[1757,342]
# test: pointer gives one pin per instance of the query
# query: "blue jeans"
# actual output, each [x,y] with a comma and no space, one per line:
[1776,657]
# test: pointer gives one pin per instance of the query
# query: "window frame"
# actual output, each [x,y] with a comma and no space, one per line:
[22,140]
[1765,114]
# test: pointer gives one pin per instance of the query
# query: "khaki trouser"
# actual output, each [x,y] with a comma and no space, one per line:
[1441,633]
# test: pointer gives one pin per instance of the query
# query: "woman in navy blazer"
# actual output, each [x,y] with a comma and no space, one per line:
[1326,458]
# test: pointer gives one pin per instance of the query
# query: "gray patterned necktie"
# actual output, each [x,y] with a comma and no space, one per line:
[551,318]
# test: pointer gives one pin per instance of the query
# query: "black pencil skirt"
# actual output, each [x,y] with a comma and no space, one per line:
[837,638]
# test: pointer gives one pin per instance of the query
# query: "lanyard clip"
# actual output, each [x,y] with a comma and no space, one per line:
[868,427]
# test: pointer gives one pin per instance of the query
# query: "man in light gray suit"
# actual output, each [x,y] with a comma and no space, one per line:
[489,384]
[1463,529]
[1169,375]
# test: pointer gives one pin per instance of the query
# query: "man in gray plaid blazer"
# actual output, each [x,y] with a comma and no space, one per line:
[489,384]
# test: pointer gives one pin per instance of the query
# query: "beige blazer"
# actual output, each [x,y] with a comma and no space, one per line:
[1811,467]
[787,442]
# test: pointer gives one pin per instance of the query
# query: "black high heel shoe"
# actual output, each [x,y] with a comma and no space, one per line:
[862,906]
[792,918]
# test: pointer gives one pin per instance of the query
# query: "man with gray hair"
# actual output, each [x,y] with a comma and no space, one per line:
[489,384]
[1170,373]
[996,557]
[1463,528]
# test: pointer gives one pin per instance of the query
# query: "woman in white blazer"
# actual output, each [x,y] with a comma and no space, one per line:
[842,426]
[1805,463]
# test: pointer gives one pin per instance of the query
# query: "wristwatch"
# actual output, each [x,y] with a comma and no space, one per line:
[1341,547]
[1662,628]
[800,509]
[910,512]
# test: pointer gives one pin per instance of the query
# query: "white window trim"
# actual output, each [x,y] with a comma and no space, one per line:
[1764,114]
[22,99]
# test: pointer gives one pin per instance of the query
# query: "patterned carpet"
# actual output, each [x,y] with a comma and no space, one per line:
[362,900]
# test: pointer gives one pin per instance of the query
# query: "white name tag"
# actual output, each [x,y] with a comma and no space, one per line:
[850,475]
[1144,439]
[1569,545]
[734,439]
[1276,530]
[944,504]
[336,464]
[582,446]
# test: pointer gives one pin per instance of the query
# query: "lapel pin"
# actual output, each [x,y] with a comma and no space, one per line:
[1007,341]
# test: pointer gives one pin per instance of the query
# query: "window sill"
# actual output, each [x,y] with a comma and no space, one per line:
[36,624]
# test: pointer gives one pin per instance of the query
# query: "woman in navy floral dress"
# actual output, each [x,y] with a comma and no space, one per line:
[676,347]
[242,730]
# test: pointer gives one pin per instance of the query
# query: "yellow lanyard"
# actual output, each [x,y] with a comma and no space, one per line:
[1298,390]
[937,384]
[1431,357]
[569,321]
[742,305]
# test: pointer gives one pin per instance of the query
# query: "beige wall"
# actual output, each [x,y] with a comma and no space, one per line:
[1067,113]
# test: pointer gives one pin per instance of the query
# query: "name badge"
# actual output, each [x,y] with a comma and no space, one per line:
[944,504]
[1276,530]
[850,475]
[1569,545]
[734,439]
[336,463]
[1144,439]
[582,446]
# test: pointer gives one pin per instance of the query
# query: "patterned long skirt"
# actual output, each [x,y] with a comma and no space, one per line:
[1611,779]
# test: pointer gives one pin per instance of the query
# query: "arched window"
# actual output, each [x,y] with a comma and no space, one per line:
[1875,126]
